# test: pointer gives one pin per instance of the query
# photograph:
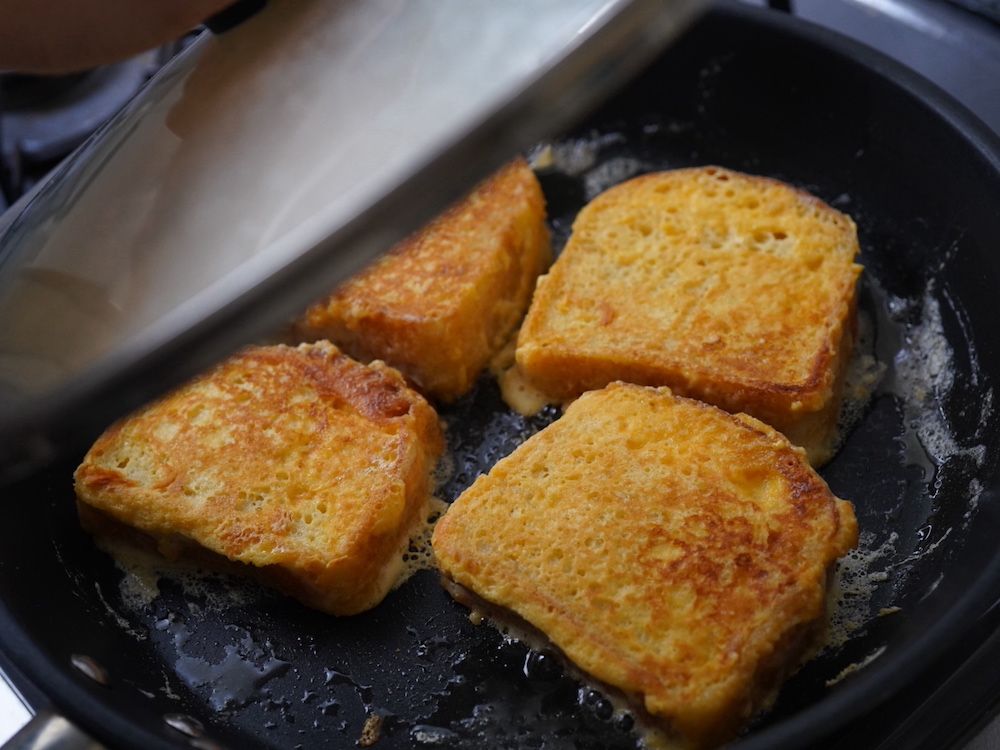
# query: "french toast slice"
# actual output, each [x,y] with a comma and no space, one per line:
[733,289]
[299,466]
[443,302]
[674,553]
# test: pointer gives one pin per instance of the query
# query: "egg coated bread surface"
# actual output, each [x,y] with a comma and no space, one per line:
[444,301]
[733,289]
[674,553]
[301,466]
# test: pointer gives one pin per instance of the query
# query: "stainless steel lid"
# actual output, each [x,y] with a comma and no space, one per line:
[266,164]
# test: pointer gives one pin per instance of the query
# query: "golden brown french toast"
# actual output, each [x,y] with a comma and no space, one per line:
[443,302]
[733,289]
[308,469]
[673,552]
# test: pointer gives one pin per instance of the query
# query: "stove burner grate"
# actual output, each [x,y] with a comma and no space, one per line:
[43,118]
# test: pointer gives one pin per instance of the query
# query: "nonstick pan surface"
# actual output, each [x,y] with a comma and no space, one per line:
[205,661]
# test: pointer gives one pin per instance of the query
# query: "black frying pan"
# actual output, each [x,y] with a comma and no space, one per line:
[229,665]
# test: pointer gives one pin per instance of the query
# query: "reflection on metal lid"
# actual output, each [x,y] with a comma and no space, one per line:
[263,165]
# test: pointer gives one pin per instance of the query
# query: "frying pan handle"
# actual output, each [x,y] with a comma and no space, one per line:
[49,731]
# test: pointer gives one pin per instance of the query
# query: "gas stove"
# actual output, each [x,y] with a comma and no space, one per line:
[954,43]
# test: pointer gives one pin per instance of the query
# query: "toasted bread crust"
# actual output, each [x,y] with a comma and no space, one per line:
[444,301]
[298,462]
[733,289]
[669,549]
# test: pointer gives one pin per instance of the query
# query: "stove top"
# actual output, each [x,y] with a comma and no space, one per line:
[957,49]
[954,43]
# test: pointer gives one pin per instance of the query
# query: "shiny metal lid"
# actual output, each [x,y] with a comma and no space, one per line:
[266,164]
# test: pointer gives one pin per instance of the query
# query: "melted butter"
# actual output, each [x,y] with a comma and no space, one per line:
[420,555]
[914,363]
[519,393]
[924,376]
[858,575]
[516,389]
[864,374]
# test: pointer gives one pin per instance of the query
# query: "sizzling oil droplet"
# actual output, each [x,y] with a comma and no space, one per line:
[540,666]
[90,668]
[185,724]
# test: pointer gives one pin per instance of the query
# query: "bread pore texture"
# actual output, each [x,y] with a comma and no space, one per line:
[442,303]
[299,466]
[673,552]
[730,288]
